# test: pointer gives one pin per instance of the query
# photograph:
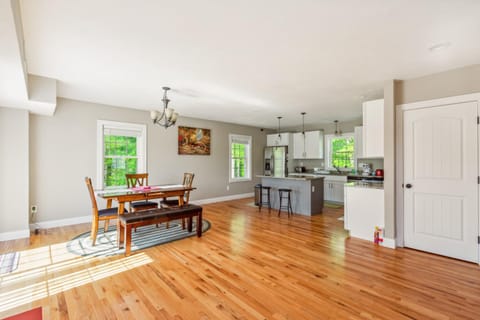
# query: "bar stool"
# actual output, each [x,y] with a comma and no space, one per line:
[284,194]
[262,194]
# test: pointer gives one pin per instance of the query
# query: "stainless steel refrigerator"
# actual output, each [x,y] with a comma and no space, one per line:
[275,161]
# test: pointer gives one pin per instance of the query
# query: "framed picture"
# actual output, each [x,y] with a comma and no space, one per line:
[193,141]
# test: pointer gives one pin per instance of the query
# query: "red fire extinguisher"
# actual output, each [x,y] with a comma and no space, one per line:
[377,239]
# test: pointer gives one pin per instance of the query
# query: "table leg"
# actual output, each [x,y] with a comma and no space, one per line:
[190,224]
[121,207]
[128,240]
[181,200]
[181,203]
[199,224]
[121,231]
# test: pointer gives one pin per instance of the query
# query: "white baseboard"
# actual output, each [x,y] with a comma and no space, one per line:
[225,198]
[12,235]
[389,243]
[60,222]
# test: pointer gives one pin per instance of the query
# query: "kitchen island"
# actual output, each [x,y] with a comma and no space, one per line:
[307,192]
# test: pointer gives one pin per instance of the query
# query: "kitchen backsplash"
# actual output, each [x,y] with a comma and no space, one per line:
[309,164]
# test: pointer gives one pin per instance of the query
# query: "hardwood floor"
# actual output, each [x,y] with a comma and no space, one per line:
[249,265]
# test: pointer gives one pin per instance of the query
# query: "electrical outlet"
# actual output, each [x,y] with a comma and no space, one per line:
[34,208]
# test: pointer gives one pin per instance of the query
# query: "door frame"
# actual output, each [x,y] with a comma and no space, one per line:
[399,155]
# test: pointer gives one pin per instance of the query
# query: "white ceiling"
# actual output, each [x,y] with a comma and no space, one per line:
[245,61]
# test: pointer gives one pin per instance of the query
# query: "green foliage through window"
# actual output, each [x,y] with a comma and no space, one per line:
[342,152]
[239,160]
[120,158]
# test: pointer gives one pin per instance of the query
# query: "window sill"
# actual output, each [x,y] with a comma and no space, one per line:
[239,180]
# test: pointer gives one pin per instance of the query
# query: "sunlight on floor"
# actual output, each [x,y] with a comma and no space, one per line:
[52,269]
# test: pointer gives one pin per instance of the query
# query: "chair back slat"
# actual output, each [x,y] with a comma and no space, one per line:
[136,179]
[88,182]
[188,181]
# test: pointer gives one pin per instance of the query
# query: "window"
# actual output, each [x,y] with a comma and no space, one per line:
[340,151]
[240,158]
[120,150]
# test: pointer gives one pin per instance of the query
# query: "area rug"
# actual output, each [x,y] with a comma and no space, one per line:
[144,237]
[9,262]
[34,314]
[332,205]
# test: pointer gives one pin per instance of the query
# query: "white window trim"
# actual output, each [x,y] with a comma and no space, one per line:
[231,137]
[328,151]
[141,145]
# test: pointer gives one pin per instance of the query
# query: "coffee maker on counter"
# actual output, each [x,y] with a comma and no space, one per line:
[366,169]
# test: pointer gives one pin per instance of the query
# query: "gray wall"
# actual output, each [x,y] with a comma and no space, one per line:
[14,188]
[63,152]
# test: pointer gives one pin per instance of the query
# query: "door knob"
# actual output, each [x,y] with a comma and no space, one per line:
[408,185]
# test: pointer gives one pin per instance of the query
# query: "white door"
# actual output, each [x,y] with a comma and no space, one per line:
[440,180]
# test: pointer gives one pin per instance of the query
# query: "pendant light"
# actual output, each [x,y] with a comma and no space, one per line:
[279,126]
[303,122]
[304,153]
[338,132]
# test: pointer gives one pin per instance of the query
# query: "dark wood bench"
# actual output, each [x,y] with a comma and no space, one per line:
[128,221]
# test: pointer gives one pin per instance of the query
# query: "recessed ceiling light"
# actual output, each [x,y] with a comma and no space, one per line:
[439,46]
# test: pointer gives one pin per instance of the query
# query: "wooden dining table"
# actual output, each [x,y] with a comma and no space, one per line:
[142,193]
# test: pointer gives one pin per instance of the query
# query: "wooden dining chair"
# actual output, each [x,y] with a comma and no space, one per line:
[99,215]
[173,202]
[139,180]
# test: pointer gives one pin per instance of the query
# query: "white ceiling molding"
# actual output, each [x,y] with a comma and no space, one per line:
[18,89]
[42,94]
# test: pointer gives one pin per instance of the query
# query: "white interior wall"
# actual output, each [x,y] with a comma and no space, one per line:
[14,174]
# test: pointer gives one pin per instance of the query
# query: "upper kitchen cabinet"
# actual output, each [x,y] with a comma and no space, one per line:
[308,145]
[274,140]
[373,129]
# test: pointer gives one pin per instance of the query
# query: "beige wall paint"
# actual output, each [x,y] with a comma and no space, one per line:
[440,85]
[63,152]
[389,158]
[14,172]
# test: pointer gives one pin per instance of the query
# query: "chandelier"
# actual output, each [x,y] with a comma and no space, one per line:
[168,116]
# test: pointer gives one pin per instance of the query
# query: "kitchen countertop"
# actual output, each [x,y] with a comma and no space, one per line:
[349,175]
[365,185]
[296,177]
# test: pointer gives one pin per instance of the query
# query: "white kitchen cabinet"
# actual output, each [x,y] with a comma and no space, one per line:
[334,188]
[298,146]
[364,210]
[308,146]
[274,140]
[373,129]
[358,133]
